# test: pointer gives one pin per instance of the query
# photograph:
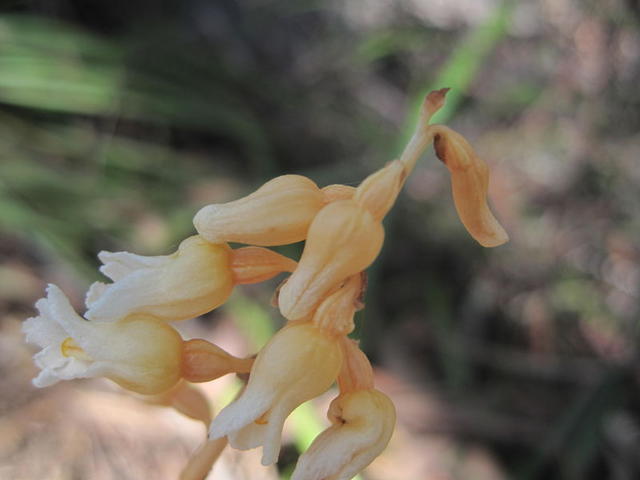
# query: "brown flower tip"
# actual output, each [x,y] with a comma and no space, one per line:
[469,185]
[434,101]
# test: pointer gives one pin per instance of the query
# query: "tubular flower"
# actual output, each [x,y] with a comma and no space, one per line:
[343,240]
[469,185]
[197,278]
[362,424]
[469,174]
[139,353]
[279,212]
[299,363]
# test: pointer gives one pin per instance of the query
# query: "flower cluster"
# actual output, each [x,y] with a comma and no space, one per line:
[127,336]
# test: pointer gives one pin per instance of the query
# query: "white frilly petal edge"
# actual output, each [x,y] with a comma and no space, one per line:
[96,290]
[117,265]
[47,332]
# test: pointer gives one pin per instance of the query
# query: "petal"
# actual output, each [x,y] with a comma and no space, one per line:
[43,330]
[96,290]
[184,285]
[119,264]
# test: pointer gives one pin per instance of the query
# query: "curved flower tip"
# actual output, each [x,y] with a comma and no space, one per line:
[299,363]
[362,424]
[469,185]
[192,281]
[277,213]
[343,240]
[139,353]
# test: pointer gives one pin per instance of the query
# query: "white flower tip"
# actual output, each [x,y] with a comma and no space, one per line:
[53,290]
[104,255]
[96,290]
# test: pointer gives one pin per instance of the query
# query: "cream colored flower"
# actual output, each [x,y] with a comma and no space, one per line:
[197,278]
[139,353]
[279,212]
[343,240]
[299,363]
[362,424]
[469,186]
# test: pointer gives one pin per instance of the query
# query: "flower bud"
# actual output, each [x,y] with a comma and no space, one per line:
[469,184]
[362,424]
[203,361]
[343,239]
[299,363]
[139,353]
[256,264]
[277,213]
[192,281]
[378,192]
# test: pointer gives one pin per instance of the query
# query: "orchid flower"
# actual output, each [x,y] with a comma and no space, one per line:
[299,363]
[139,353]
[197,278]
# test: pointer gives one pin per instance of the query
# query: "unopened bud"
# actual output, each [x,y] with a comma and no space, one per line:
[343,239]
[203,361]
[378,192]
[277,213]
[256,264]
[469,184]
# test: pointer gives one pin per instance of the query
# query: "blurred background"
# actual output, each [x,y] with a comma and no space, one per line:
[120,119]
